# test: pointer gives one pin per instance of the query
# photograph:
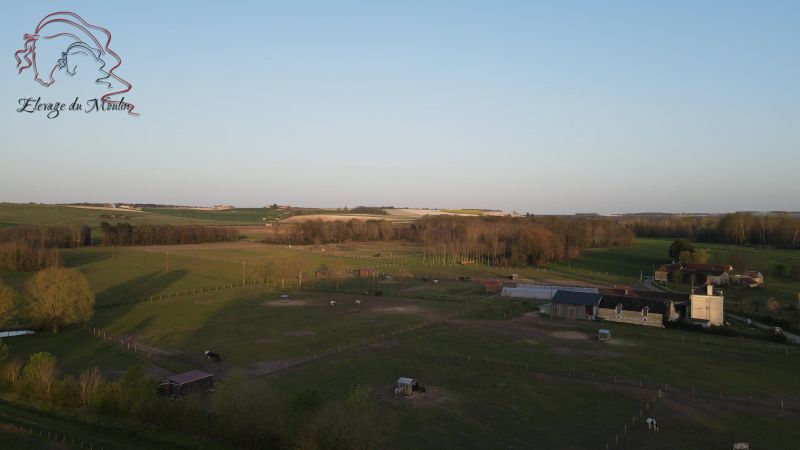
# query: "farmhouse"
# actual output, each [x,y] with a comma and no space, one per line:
[364,272]
[575,305]
[717,274]
[187,383]
[708,306]
[651,312]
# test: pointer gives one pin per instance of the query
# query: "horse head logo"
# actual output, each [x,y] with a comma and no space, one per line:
[64,42]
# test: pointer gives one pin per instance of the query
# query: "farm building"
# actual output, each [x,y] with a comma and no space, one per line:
[749,278]
[322,274]
[664,273]
[188,383]
[365,272]
[493,286]
[575,305]
[652,312]
[717,274]
[542,292]
[708,306]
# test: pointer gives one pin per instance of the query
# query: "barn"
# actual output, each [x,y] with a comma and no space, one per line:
[187,383]
[542,292]
[652,312]
[575,305]
[364,272]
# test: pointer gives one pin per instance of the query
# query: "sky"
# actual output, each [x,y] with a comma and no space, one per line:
[540,107]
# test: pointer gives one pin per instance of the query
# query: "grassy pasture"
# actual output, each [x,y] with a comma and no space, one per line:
[470,404]
[478,405]
[251,326]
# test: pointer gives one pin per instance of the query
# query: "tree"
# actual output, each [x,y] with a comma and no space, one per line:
[41,372]
[60,297]
[4,351]
[773,306]
[11,371]
[699,256]
[6,305]
[679,246]
[89,383]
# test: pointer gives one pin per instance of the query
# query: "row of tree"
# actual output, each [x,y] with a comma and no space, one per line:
[126,234]
[34,248]
[776,230]
[241,413]
[49,236]
[502,241]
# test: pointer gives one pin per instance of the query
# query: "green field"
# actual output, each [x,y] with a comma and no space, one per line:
[16,214]
[236,216]
[496,373]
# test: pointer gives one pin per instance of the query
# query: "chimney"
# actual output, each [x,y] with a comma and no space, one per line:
[709,289]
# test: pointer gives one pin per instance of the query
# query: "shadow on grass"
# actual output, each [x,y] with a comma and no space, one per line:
[77,258]
[143,286]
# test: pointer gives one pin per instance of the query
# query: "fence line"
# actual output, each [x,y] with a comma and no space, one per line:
[54,436]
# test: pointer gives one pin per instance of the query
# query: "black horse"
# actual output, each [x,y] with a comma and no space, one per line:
[213,356]
[417,388]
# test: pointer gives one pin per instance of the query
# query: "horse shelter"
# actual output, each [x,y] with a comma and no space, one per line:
[187,383]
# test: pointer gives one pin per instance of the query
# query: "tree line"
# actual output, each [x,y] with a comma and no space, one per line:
[34,248]
[123,234]
[239,413]
[500,241]
[774,230]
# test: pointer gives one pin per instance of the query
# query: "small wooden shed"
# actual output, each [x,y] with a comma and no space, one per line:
[188,383]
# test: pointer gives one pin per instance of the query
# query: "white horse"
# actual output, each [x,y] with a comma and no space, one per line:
[652,424]
[741,446]
[398,391]
[333,303]
[358,302]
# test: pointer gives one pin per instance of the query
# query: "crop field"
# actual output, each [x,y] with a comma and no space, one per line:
[497,374]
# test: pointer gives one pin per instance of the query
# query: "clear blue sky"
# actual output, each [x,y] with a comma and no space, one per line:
[543,107]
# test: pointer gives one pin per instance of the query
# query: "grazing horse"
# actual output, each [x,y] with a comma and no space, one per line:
[741,446]
[417,388]
[212,356]
[398,391]
[358,302]
[652,424]
[333,303]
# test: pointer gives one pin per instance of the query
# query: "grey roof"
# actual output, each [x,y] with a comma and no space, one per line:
[656,306]
[576,298]
[188,377]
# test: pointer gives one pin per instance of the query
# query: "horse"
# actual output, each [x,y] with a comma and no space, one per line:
[333,303]
[358,302]
[652,424]
[212,356]
[741,446]
[417,388]
[398,391]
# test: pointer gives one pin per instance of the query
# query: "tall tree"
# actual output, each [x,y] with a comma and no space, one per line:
[6,305]
[41,372]
[60,297]
[679,246]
